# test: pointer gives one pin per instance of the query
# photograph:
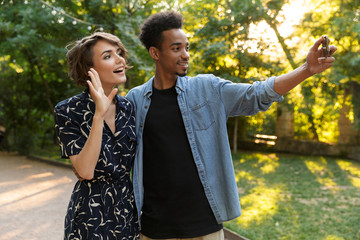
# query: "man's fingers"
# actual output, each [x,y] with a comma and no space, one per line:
[317,44]
[332,49]
[323,60]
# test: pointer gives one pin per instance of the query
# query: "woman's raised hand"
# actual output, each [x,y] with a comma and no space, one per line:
[102,101]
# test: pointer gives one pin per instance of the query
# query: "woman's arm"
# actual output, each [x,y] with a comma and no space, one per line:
[85,162]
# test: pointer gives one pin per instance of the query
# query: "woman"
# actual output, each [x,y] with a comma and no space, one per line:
[95,130]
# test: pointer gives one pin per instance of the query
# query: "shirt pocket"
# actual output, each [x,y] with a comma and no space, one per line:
[202,116]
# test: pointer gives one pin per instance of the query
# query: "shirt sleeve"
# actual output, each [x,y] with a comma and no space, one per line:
[246,99]
[69,133]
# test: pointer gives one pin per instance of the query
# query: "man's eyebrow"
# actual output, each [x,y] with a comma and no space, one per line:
[178,43]
[175,44]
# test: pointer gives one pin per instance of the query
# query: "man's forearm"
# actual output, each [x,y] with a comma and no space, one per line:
[288,81]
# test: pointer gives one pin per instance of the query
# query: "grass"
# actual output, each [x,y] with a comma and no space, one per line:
[297,197]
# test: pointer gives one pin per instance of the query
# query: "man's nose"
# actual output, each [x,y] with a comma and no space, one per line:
[185,54]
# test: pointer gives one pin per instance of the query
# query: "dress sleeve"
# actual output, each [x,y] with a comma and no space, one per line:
[69,132]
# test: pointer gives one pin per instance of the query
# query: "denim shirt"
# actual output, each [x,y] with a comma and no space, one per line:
[205,102]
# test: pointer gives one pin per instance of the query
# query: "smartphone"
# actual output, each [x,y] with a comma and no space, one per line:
[325,46]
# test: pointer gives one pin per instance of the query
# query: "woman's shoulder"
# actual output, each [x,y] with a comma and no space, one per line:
[124,103]
[72,102]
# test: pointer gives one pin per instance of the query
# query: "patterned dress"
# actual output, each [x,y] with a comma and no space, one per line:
[104,207]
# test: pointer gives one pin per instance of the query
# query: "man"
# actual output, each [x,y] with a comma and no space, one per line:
[184,181]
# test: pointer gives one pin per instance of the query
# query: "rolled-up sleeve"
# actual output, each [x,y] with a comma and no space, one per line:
[246,99]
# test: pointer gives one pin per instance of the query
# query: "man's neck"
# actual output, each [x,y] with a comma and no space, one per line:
[162,82]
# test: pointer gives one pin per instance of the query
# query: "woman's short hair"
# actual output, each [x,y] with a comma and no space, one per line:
[80,55]
[152,28]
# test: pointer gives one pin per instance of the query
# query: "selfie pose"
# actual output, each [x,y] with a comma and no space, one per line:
[96,130]
[184,182]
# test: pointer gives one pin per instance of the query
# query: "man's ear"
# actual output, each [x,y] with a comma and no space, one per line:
[154,53]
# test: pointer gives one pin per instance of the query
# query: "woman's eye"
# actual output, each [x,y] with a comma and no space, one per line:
[107,57]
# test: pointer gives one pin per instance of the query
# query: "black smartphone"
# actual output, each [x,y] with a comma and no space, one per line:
[325,46]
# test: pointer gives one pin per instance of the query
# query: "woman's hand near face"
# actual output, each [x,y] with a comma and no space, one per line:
[85,162]
[102,101]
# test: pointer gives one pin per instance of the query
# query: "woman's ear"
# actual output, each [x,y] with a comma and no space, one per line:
[154,53]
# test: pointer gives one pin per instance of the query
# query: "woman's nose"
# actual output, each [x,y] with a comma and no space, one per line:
[119,58]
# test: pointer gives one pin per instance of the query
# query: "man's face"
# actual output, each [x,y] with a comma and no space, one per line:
[174,54]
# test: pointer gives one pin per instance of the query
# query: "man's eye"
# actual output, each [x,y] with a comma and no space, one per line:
[107,57]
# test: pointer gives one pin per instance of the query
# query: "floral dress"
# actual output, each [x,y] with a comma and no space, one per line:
[104,207]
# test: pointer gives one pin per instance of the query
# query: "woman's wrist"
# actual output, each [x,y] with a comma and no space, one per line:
[98,118]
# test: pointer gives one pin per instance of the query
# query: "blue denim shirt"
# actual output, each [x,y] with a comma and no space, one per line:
[205,102]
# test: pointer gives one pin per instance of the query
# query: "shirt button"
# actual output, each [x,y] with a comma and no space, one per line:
[146,107]
[141,125]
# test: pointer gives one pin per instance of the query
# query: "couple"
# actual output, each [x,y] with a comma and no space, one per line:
[174,126]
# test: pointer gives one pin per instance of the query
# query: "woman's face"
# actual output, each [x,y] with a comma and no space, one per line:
[109,64]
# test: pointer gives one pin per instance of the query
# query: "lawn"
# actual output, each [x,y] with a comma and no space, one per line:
[297,197]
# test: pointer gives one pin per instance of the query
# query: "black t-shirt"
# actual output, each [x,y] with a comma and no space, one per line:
[175,205]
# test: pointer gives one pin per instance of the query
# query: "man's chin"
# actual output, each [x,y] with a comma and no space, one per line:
[182,74]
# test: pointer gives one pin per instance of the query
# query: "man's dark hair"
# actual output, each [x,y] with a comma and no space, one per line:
[152,28]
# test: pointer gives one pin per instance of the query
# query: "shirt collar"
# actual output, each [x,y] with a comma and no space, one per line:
[180,85]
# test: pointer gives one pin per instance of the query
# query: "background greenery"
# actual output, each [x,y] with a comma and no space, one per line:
[33,71]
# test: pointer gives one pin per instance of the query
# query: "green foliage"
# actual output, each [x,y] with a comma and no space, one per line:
[33,69]
[217,32]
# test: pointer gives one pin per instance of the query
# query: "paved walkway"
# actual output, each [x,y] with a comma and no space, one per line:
[33,198]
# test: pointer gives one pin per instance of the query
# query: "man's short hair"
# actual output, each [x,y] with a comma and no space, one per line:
[152,28]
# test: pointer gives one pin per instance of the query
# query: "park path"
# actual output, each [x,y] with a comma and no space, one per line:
[33,198]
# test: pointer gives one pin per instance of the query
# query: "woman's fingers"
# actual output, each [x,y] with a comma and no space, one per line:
[91,86]
[95,79]
[112,94]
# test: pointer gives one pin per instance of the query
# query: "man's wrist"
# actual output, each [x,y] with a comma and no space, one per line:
[305,68]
